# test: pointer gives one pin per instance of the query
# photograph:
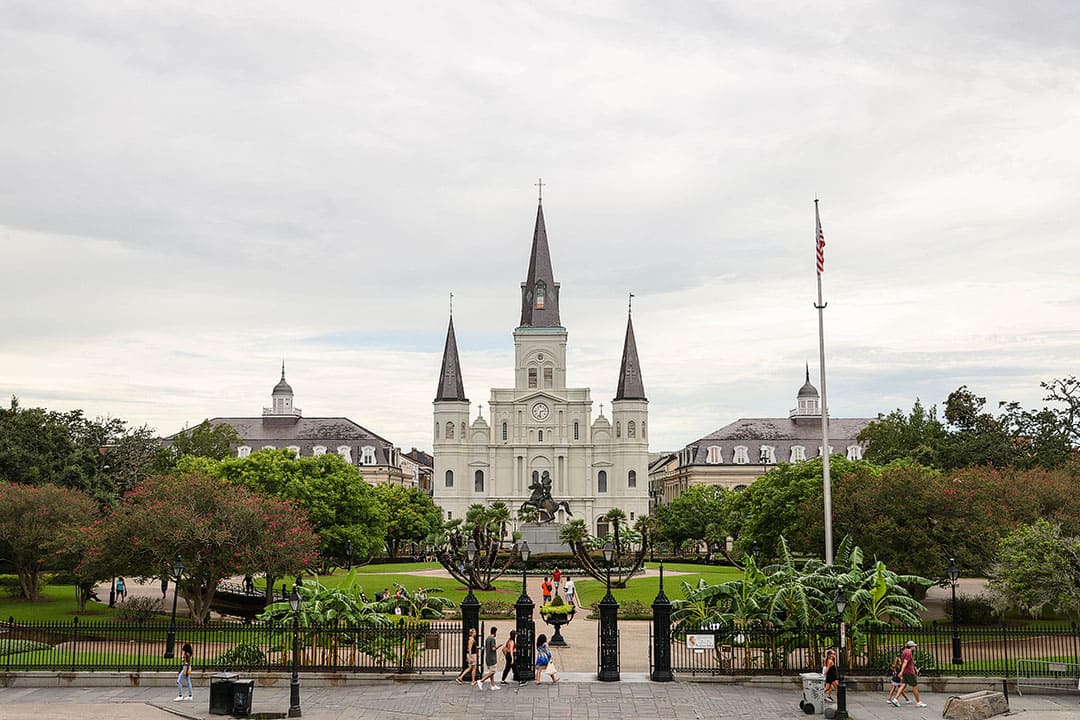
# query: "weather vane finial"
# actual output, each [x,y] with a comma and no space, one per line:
[540,184]
[630,304]
[451,303]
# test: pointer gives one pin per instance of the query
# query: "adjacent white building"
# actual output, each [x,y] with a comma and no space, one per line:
[542,425]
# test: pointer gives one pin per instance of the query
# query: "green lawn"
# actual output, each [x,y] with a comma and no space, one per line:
[57,603]
[644,589]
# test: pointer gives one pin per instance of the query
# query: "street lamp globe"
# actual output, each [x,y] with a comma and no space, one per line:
[609,552]
[295,601]
[954,571]
[470,550]
[841,602]
[523,550]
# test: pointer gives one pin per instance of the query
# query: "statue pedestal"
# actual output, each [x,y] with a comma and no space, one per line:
[543,538]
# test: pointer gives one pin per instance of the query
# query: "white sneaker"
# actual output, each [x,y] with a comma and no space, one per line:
[178,697]
[190,697]
[479,684]
[496,687]
[920,704]
[896,703]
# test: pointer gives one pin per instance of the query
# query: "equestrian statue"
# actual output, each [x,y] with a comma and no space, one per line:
[541,499]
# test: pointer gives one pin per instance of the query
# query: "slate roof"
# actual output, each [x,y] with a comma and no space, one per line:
[779,433]
[540,270]
[631,386]
[451,386]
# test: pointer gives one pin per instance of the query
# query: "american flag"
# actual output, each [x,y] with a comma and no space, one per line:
[820,242]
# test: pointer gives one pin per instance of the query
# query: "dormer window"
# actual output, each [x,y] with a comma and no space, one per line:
[318,450]
[714,456]
[243,451]
[854,452]
[368,455]
[345,452]
[767,455]
[798,453]
[541,292]
[742,455]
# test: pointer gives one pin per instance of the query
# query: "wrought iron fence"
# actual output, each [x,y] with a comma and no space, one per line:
[763,650]
[80,645]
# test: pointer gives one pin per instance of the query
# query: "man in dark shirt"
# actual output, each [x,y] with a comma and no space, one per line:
[491,660]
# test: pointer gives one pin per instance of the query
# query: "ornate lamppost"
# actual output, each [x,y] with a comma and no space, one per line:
[954,575]
[841,684]
[526,626]
[609,626]
[170,640]
[470,606]
[112,593]
[295,603]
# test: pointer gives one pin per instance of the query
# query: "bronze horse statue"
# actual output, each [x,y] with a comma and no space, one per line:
[546,508]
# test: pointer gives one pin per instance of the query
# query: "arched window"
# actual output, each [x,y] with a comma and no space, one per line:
[243,451]
[345,452]
[478,481]
[618,429]
[601,481]
[504,431]
[714,456]
[295,449]
[540,436]
[368,455]
[463,436]
[767,455]
[449,431]
[449,478]
[742,455]
[643,434]
[541,293]
[318,450]
[436,431]
[631,429]
[268,447]
[532,377]
[577,431]
[798,453]
[631,479]
[854,452]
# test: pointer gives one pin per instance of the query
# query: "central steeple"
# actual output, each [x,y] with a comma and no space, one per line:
[540,292]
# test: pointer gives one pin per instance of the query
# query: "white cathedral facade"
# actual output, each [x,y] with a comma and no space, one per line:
[540,426]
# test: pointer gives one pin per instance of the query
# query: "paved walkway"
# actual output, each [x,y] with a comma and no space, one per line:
[576,696]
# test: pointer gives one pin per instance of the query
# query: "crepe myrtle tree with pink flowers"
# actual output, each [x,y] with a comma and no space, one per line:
[217,528]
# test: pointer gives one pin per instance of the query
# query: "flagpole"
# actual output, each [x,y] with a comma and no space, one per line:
[819,245]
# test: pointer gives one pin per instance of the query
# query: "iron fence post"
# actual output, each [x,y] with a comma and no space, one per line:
[660,651]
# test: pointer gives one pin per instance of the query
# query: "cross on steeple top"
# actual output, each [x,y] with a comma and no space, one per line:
[540,184]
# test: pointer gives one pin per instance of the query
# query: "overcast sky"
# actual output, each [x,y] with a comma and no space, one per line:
[190,192]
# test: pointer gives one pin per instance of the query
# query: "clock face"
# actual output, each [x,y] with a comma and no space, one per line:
[540,411]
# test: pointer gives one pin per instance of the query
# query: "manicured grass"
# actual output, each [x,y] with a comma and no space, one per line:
[644,589]
[399,567]
[507,589]
[57,603]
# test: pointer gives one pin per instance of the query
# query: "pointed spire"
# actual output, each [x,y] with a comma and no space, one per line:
[539,292]
[808,389]
[450,384]
[283,368]
[282,387]
[631,386]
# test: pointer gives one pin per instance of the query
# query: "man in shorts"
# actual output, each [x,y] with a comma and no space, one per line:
[491,659]
[909,675]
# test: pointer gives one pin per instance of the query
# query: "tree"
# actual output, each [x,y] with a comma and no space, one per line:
[411,515]
[205,440]
[340,504]
[488,528]
[1038,570]
[219,530]
[584,546]
[699,514]
[919,436]
[33,527]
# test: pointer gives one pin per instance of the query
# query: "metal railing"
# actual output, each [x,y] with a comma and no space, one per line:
[986,651]
[80,645]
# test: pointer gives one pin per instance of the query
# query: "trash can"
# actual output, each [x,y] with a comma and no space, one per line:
[813,693]
[221,693]
[241,700]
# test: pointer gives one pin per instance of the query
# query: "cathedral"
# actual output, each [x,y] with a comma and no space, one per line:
[542,433]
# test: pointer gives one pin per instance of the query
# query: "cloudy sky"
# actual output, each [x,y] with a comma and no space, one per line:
[191,191]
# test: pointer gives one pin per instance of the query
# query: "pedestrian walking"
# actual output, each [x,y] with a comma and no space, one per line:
[185,674]
[832,679]
[894,678]
[570,590]
[556,577]
[545,589]
[909,674]
[509,648]
[470,653]
[491,660]
[164,588]
[121,589]
[544,665]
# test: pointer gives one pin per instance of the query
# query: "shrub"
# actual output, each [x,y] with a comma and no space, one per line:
[497,608]
[556,607]
[244,655]
[974,610]
[882,661]
[137,609]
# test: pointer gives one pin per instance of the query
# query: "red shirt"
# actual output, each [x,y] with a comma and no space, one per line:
[556,576]
[907,662]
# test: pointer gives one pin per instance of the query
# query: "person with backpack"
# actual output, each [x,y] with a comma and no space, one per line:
[543,660]
[545,589]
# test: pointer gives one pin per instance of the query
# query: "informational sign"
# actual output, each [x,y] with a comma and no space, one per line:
[701,642]
[843,634]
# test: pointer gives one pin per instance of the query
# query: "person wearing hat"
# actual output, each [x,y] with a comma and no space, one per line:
[909,674]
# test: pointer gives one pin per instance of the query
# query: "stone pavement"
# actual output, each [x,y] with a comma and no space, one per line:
[576,696]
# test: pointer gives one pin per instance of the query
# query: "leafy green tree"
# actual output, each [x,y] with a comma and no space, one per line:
[34,525]
[411,515]
[918,436]
[700,514]
[1038,570]
[340,504]
[218,529]
[205,440]
[626,561]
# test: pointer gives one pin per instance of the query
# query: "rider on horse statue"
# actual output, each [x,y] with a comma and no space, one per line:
[541,499]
